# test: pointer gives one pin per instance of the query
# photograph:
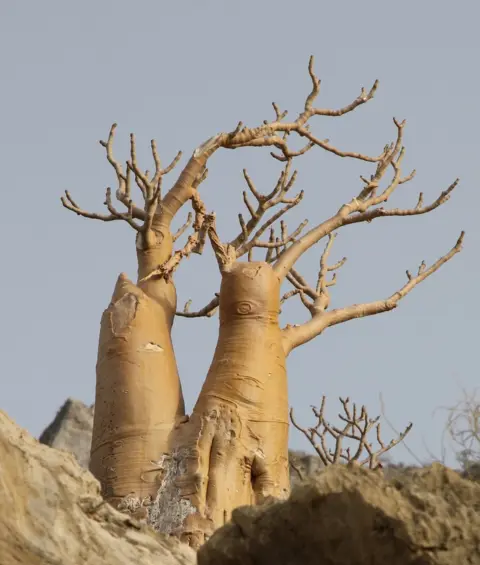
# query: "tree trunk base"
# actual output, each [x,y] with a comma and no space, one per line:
[221,459]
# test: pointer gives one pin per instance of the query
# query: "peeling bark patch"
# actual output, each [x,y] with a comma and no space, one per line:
[151,347]
[207,146]
[123,312]
[251,272]
[168,511]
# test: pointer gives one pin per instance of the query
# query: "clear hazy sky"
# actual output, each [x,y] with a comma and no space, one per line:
[183,71]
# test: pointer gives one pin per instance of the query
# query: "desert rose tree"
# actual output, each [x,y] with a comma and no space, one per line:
[187,473]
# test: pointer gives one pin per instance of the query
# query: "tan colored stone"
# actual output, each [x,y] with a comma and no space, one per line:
[52,513]
[355,517]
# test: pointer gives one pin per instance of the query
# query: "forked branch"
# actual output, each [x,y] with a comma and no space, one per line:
[250,236]
[265,202]
[321,319]
[366,206]
[316,298]
[195,242]
[206,312]
[275,133]
[149,185]
[357,426]
[226,254]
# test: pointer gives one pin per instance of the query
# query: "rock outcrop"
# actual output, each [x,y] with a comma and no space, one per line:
[351,516]
[71,430]
[52,513]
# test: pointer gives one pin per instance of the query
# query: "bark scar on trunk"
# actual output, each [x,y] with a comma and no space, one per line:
[151,347]
[123,312]
[252,272]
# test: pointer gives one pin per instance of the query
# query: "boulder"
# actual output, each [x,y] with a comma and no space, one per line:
[352,516]
[52,513]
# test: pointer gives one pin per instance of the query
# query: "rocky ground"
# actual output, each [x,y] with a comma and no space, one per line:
[355,517]
[53,514]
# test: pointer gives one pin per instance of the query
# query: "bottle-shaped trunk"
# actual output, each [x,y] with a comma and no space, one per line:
[234,449]
[138,392]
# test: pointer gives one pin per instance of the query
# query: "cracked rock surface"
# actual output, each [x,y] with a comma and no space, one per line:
[52,513]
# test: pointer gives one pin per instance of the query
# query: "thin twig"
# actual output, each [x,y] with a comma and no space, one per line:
[357,426]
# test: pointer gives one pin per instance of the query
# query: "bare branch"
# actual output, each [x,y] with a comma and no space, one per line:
[270,139]
[295,336]
[269,133]
[183,228]
[194,241]
[289,294]
[279,242]
[128,217]
[320,295]
[187,182]
[224,253]
[70,204]
[463,424]
[278,114]
[264,203]
[150,188]
[357,426]
[363,208]
[274,133]
[295,468]
[395,431]
[123,192]
[316,298]
[205,312]
[287,154]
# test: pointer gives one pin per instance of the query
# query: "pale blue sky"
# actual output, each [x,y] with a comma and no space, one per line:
[183,71]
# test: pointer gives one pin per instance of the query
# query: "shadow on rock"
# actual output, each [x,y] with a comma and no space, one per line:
[350,516]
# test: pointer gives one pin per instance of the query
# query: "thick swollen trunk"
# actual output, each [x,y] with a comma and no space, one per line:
[234,449]
[138,393]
